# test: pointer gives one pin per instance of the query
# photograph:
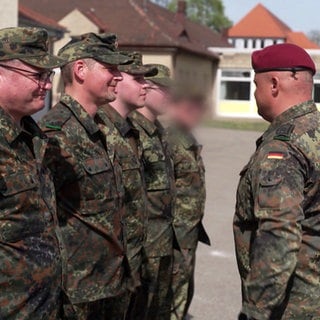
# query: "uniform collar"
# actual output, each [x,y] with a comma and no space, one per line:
[187,139]
[12,131]
[289,115]
[119,122]
[150,127]
[81,114]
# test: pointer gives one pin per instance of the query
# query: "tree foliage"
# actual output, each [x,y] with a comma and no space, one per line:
[314,35]
[208,12]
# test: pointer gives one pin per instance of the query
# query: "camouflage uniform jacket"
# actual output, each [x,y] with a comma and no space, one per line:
[30,241]
[276,224]
[190,200]
[158,173]
[88,200]
[123,141]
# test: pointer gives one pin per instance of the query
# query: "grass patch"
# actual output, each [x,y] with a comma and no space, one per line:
[238,124]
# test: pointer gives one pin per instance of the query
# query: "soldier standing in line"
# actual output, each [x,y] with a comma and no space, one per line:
[276,223]
[155,299]
[88,186]
[31,249]
[123,143]
[186,113]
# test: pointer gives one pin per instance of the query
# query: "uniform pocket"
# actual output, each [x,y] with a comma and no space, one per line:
[157,176]
[20,214]
[98,187]
[269,194]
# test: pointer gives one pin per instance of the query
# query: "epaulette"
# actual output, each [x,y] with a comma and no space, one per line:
[284,132]
[57,118]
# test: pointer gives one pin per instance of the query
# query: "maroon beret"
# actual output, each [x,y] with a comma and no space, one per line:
[282,57]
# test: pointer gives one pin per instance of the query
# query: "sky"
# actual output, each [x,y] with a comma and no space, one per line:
[299,15]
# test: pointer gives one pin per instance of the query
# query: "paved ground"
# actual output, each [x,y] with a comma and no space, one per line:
[217,283]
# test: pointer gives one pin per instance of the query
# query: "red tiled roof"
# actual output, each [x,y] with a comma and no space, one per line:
[259,23]
[300,39]
[138,23]
[39,18]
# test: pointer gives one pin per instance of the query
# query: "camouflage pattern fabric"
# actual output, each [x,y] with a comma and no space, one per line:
[89,203]
[276,223]
[182,282]
[162,77]
[101,47]
[124,140]
[157,268]
[31,251]
[136,67]
[189,172]
[190,200]
[29,45]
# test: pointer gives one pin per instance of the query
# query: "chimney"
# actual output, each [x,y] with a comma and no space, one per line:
[181,11]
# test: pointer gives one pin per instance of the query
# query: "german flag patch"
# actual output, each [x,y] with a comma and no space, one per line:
[275,155]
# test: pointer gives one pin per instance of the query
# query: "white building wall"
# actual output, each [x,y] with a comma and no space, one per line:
[8,13]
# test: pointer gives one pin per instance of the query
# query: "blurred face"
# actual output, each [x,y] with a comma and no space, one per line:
[101,81]
[132,91]
[188,113]
[158,99]
[263,95]
[23,88]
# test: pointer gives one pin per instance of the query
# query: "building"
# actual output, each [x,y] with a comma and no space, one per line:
[162,36]
[258,29]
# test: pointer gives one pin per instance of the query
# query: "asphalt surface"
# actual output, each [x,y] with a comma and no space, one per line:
[217,295]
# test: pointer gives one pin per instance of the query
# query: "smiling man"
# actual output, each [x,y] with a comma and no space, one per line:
[276,223]
[30,242]
[123,139]
[88,187]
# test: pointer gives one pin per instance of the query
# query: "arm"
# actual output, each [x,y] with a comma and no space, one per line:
[278,186]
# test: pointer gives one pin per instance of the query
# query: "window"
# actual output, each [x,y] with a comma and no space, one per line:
[235,85]
[262,43]
[245,43]
[254,43]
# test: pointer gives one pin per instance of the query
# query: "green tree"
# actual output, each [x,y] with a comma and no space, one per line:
[208,12]
[314,35]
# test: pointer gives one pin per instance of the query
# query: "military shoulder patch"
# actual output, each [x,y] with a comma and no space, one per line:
[275,155]
[284,132]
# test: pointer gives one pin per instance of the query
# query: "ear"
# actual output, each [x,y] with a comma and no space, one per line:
[275,82]
[80,70]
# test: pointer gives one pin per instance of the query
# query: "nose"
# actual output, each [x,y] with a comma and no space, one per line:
[47,85]
[117,75]
[146,85]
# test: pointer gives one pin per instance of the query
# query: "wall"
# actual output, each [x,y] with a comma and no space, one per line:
[158,58]
[8,13]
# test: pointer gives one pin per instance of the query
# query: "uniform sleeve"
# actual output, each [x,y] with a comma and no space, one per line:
[278,186]
[58,159]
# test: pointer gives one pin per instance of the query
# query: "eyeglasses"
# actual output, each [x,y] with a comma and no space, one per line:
[41,78]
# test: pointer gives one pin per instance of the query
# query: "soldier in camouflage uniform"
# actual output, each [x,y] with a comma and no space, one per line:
[88,186]
[124,146]
[155,298]
[276,224]
[31,249]
[186,111]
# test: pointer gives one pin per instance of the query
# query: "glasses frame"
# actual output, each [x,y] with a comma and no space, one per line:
[41,78]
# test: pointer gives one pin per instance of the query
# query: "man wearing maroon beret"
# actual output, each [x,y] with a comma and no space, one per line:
[277,218]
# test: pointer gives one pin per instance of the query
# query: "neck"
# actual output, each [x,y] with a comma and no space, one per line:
[148,114]
[122,108]
[83,99]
